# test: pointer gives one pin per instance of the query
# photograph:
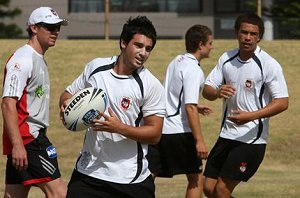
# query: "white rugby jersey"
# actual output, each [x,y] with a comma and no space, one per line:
[257,80]
[26,78]
[183,82]
[111,156]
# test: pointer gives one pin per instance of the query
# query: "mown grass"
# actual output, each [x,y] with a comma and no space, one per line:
[279,174]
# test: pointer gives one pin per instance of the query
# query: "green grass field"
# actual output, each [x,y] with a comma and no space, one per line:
[279,174]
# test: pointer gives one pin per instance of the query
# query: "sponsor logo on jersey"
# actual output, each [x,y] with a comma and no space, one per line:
[17,67]
[39,91]
[180,59]
[51,151]
[243,167]
[126,103]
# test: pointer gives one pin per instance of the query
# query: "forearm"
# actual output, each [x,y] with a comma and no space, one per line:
[149,134]
[194,122]
[225,91]
[275,107]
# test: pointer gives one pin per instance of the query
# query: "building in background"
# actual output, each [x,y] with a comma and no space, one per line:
[170,17]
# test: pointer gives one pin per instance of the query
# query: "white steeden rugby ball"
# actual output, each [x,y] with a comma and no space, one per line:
[84,106]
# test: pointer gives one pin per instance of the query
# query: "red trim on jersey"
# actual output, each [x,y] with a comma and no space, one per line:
[37,181]
[22,117]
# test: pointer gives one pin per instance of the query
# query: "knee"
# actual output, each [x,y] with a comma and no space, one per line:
[62,192]
[214,191]
[195,180]
[208,190]
[59,191]
[57,194]
[220,190]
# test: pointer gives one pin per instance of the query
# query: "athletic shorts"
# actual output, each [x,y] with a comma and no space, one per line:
[42,163]
[84,186]
[174,154]
[234,160]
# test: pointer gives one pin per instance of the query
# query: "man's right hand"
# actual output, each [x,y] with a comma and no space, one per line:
[19,157]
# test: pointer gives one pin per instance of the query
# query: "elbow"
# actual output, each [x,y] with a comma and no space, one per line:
[282,104]
[156,139]
[210,93]
[285,106]
[156,130]
[63,97]
[207,96]
[2,106]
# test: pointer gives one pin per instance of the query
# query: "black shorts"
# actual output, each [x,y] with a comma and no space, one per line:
[82,185]
[234,160]
[42,164]
[174,154]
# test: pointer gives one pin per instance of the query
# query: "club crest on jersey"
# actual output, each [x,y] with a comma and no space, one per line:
[126,103]
[51,151]
[248,84]
[243,167]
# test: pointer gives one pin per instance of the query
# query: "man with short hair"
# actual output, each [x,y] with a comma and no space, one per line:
[252,86]
[31,157]
[112,162]
[182,147]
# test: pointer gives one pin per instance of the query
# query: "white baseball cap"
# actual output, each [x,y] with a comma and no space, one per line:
[45,15]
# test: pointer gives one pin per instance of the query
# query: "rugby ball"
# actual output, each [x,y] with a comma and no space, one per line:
[83,107]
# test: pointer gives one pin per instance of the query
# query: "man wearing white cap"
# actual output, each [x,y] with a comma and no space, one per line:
[31,157]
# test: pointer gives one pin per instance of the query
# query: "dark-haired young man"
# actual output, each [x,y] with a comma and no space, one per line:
[252,86]
[31,157]
[112,162]
[182,147]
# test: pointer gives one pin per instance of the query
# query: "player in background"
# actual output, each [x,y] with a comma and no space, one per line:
[182,147]
[31,157]
[252,86]
[112,161]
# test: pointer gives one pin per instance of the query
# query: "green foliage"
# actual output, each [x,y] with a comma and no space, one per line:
[286,14]
[289,8]
[10,30]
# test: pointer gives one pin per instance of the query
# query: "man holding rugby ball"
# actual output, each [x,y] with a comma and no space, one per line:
[112,162]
